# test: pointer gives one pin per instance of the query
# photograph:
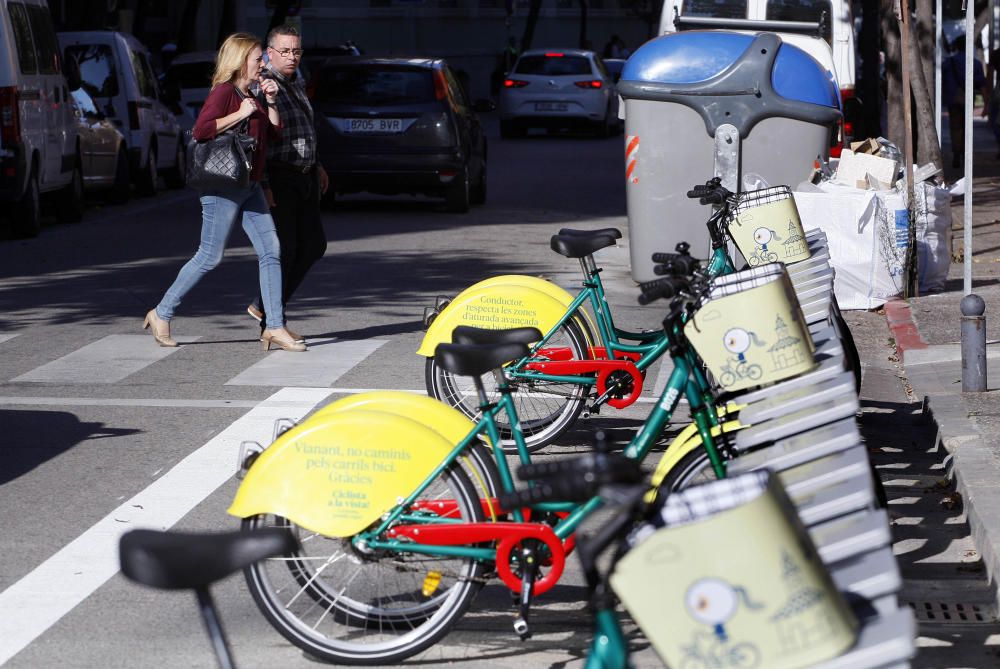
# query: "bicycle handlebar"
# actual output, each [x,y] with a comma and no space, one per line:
[675,264]
[660,289]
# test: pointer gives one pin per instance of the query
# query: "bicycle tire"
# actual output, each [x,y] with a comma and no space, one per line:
[695,467]
[545,410]
[366,610]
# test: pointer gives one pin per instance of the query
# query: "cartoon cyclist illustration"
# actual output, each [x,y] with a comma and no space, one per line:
[714,602]
[738,342]
[762,237]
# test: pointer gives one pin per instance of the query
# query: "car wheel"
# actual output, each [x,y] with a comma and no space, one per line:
[457,195]
[477,195]
[148,176]
[27,213]
[121,190]
[69,200]
[177,177]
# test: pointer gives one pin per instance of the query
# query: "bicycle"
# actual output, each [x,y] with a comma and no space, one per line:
[396,585]
[577,364]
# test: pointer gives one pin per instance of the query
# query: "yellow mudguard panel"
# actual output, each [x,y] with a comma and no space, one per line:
[448,421]
[339,474]
[496,307]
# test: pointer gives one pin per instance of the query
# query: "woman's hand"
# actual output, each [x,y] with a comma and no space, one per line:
[269,88]
[248,107]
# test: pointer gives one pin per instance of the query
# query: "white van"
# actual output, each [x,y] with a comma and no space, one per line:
[822,28]
[39,150]
[116,72]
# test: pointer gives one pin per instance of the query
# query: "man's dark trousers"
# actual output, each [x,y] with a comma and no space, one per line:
[296,214]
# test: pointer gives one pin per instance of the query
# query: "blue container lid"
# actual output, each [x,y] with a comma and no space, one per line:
[698,55]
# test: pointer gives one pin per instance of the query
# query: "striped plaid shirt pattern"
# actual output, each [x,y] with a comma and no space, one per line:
[297,144]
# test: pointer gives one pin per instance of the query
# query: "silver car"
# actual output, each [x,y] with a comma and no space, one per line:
[558,88]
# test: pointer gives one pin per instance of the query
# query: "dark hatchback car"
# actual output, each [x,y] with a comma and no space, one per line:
[397,125]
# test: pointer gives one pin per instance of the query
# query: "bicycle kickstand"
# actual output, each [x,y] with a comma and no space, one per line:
[529,570]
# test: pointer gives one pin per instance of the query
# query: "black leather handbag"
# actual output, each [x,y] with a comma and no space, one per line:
[224,161]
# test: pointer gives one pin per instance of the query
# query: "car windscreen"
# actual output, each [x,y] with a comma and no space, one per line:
[191,75]
[553,65]
[97,68]
[375,85]
[721,9]
[810,11]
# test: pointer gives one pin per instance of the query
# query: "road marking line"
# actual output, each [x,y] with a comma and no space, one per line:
[6,337]
[325,362]
[36,602]
[107,360]
[196,404]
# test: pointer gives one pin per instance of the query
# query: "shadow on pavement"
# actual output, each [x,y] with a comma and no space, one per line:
[35,437]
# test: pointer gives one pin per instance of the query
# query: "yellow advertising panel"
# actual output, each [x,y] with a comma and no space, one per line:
[338,474]
[752,333]
[766,227]
[448,421]
[495,306]
[701,603]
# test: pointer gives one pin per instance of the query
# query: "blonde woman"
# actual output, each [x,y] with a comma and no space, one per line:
[228,105]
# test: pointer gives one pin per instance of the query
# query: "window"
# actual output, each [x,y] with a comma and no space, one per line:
[143,74]
[811,11]
[97,69]
[722,9]
[553,65]
[363,85]
[22,37]
[46,45]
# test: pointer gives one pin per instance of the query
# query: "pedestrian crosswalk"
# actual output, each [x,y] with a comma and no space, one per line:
[325,362]
[116,357]
[107,360]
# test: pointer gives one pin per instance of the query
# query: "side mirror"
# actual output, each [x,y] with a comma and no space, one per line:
[484,105]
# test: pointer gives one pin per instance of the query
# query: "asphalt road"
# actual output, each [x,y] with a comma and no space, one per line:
[102,431]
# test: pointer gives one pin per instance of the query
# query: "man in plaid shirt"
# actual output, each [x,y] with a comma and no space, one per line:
[295,180]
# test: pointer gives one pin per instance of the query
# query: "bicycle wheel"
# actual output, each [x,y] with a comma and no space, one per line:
[695,467]
[754,372]
[545,409]
[342,604]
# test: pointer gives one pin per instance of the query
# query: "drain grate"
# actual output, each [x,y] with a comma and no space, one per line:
[952,612]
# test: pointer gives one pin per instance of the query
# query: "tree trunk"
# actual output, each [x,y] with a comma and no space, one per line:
[186,33]
[529,25]
[928,146]
[870,90]
[227,24]
[923,35]
[280,15]
[894,130]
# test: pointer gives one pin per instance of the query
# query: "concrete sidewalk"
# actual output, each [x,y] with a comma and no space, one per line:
[926,330]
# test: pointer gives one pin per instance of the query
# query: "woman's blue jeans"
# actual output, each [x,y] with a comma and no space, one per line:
[219,211]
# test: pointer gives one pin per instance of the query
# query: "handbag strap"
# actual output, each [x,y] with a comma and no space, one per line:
[244,126]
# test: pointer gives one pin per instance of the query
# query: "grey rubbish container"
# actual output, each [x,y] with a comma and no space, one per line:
[710,103]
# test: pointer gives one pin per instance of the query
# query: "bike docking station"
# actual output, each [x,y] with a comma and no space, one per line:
[768,109]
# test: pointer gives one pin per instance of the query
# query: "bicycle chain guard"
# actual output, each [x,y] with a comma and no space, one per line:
[509,536]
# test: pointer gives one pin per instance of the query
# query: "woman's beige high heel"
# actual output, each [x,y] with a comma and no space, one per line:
[282,340]
[160,329]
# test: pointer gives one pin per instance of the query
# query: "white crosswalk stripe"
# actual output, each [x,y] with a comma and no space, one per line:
[6,337]
[106,360]
[325,362]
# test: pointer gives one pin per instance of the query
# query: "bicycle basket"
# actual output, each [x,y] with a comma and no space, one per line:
[725,575]
[766,228]
[751,332]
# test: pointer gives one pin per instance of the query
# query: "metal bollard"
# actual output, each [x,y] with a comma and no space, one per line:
[973,344]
